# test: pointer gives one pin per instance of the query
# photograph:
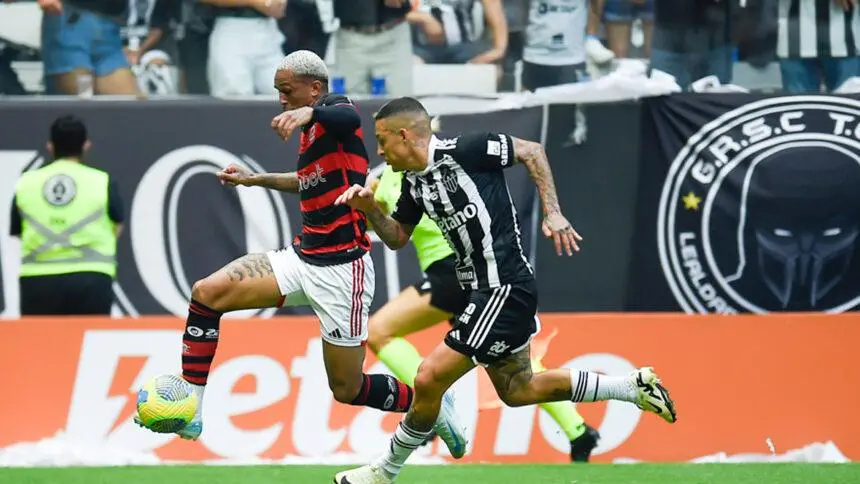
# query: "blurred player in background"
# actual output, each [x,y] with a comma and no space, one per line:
[328,266]
[460,185]
[436,299]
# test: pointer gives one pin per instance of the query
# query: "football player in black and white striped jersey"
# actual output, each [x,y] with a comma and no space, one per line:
[459,183]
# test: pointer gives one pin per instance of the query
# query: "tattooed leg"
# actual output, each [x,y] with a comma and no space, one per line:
[517,385]
[246,283]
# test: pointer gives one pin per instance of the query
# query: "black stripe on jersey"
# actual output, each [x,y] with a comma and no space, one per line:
[341,235]
[794,30]
[822,30]
[325,216]
[850,40]
[328,143]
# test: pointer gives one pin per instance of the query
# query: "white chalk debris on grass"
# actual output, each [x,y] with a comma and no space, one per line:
[58,451]
[817,452]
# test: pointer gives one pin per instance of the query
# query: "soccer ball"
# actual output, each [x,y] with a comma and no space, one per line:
[166,404]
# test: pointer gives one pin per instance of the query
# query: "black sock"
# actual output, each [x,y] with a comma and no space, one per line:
[384,392]
[199,342]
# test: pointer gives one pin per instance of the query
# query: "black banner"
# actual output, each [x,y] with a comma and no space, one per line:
[596,181]
[182,224]
[748,203]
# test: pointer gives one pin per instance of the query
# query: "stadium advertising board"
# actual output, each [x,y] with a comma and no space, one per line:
[737,381]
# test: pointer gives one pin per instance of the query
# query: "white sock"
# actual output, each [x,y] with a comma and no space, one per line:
[404,441]
[198,390]
[587,386]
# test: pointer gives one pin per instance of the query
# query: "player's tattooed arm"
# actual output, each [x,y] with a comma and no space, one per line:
[393,233]
[283,182]
[533,156]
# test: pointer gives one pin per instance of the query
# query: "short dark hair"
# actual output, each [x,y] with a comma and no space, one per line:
[401,105]
[68,136]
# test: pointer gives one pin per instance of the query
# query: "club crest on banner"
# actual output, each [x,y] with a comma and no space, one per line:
[760,211]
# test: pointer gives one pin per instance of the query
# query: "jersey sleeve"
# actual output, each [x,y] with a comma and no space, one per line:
[337,114]
[408,210]
[485,151]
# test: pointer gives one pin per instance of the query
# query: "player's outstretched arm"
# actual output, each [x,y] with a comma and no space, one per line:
[392,232]
[238,175]
[555,225]
[532,155]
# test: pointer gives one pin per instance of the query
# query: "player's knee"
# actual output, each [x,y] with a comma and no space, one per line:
[211,291]
[427,381]
[344,391]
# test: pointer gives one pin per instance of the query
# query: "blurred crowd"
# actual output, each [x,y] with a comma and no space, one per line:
[231,47]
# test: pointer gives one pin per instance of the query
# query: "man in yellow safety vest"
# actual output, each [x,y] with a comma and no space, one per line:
[68,217]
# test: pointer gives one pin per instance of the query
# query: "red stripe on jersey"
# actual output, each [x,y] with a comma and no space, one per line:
[332,248]
[326,200]
[328,228]
[334,162]
[309,136]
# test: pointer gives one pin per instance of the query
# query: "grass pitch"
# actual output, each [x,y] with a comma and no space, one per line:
[455,474]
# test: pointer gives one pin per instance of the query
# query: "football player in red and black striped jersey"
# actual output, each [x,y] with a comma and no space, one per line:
[328,266]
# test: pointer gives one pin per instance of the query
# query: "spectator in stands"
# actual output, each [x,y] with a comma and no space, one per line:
[517,17]
[374,41]
[463,23]
[82,52]
[192,45]
[554,50]
[817,44]
[245,46]
[594,48]
[303,28]
[618,17]
[68,217]
[150,44]
[692,40]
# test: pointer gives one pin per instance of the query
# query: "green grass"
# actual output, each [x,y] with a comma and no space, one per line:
[455,474]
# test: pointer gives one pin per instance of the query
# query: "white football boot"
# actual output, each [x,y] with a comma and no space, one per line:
[652,396]
[369,474]
[448,427]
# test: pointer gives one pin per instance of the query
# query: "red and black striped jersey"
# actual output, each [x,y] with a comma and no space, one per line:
[332,157]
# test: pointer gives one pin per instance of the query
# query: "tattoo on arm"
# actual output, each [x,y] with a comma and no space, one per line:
[533,156]
[284,182]
[511,373]
[248,267]
[392,232]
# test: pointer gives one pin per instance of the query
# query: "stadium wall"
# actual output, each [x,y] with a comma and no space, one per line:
[737,382]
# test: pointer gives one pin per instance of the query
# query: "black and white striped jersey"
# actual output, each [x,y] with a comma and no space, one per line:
[817,29]
[463,189]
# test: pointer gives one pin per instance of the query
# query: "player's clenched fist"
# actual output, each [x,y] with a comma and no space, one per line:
[287,122]
[235,175]
[357,197]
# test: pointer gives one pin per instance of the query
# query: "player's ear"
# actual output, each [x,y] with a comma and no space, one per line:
[404,134]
